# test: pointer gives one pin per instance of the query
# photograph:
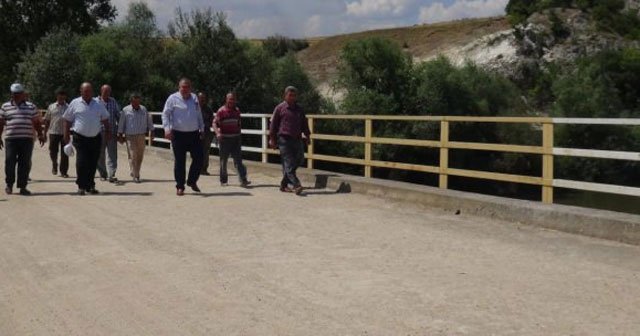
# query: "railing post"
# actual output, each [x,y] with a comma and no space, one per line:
[265,139]
[368,134]
[444,154]
[310,147]
[547,163]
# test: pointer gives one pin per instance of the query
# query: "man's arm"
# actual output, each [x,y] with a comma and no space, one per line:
[107,130]
[47,121]
[274,127]
[150,127]
[121,127]
[167,119]
[1,130]
[67,131]
[216,124]
[36,121]
[305,127]
[200,119]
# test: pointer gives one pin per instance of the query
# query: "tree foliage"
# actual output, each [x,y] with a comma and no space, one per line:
[24,22]
[280,46]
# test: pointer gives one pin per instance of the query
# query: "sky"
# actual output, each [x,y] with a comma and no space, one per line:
[309,18]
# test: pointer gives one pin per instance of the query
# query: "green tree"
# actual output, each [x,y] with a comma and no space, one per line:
[52,64]
[24,22]
[604,86]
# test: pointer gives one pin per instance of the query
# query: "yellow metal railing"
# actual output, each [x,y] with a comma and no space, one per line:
[445,144]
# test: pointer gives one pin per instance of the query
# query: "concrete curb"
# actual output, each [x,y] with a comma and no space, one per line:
[595,223]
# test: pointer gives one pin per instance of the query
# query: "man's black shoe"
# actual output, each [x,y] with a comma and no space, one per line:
[93,191]
[8,190]
[81,192]
[194,187]
[25,192]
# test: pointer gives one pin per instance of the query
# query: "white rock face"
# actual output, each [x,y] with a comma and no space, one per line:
[493,51]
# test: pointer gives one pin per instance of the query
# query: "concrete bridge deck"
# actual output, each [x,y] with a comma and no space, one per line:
[137,260]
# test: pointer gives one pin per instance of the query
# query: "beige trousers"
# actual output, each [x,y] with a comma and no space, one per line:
[135,151]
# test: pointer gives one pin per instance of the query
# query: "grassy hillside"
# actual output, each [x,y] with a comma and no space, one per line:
[321,58]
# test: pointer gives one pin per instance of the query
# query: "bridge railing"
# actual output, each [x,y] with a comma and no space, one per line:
[547,150]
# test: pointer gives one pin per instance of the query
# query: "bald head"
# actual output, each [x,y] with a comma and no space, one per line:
[184,86]
[230,100]
[105,91]
[86,91]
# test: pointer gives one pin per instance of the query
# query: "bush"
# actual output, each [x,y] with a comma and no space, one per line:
[280,46]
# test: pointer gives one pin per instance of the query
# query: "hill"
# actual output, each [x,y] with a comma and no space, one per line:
[320,60]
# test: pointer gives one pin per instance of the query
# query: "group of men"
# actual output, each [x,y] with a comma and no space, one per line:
[91,127]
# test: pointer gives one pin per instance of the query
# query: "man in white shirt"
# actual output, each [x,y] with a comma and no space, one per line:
[183,125]
[86,117]
[53,126]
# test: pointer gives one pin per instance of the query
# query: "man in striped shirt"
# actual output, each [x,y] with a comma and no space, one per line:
[20,118]
[228,130]
[135,123]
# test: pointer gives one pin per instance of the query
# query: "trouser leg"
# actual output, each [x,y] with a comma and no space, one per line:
[289,152]
[24,162]
[10,161]
[95,144]
[196,152]
[112,157]
[224,159]
[236,154]
[64,159]
[206,149]
[180,157]
[82,161]
[54,147]
[102,165]
[135,149]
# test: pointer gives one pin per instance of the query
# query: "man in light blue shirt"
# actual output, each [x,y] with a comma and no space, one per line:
[86,118]
[183,125]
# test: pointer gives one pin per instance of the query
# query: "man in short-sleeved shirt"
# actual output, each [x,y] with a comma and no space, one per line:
[19,118]
[53,126]
[86,117]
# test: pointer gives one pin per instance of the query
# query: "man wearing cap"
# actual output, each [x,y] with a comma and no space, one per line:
[184,127]
[20,118]
[228,130]
[53,127]
[135,123]
[207,136]
[288,125]
[108,161]
[86,117]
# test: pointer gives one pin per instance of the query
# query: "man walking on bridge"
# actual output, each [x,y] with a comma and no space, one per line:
[184,127]
[288,124]
[108,161]
[135,123]
[228,130]
[53,126]
[85,116]
[20,118]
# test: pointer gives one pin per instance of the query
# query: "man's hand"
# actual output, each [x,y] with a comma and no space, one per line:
[306,140]
[1,144]
[42,139]
[168,135]
[272,143]
[121,138]
[201,135]
[107,136]
[66,138]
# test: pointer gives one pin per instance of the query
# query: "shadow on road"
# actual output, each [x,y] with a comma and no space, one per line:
[106,193]
[221,194]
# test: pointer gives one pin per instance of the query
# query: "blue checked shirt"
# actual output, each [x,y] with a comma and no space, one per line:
[113,108]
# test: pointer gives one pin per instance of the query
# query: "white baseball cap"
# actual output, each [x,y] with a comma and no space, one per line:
[69,150]
[17,88]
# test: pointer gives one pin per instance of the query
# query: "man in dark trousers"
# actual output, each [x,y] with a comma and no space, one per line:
[208,136]
[19,118]
[53,127]
[86,118]
[228,130]
[184,127]
[288,125]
